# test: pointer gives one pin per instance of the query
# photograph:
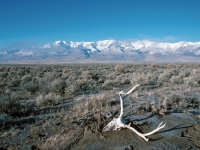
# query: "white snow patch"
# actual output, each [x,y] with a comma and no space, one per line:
[24,53]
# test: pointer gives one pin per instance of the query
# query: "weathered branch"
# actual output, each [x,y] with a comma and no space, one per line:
[118,123]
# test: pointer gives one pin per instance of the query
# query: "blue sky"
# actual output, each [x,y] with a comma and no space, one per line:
[25,23]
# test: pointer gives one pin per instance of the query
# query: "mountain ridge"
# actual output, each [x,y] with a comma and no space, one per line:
[106,50]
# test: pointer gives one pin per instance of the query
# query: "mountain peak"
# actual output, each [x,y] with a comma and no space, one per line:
[57,43]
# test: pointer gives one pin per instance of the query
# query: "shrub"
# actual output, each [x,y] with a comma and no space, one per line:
[13,107]
[2,83]
[143,79]
[14,83]
[16,96]
[184,73]
[92,103]
[21,72]
[119,68]
[176,79]
[123,79]
[44,85]
[165,76]
[74,74]
[111,75]
[153,66]
[86,75]
[58,86]
[40,100]
[109,84]
[25,79]
[190,81]
[3,74]
[49,99]
[79,86]
[31,87]
[72,89]
[86,84]
[4,117]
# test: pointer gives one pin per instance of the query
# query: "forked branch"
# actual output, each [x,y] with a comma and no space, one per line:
[118,123]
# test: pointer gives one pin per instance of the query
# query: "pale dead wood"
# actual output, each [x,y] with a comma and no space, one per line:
[118,123]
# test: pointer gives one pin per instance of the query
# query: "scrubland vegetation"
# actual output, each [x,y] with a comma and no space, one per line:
[39,103]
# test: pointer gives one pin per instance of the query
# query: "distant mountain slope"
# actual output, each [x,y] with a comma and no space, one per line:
[106,50]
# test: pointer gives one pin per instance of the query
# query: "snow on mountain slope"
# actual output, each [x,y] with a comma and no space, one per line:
[24,53]
[108,50]
[105,44]
[143,45]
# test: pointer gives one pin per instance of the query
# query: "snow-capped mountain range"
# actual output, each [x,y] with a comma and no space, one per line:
[106,50]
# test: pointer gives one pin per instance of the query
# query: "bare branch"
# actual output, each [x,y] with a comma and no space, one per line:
[118,123]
